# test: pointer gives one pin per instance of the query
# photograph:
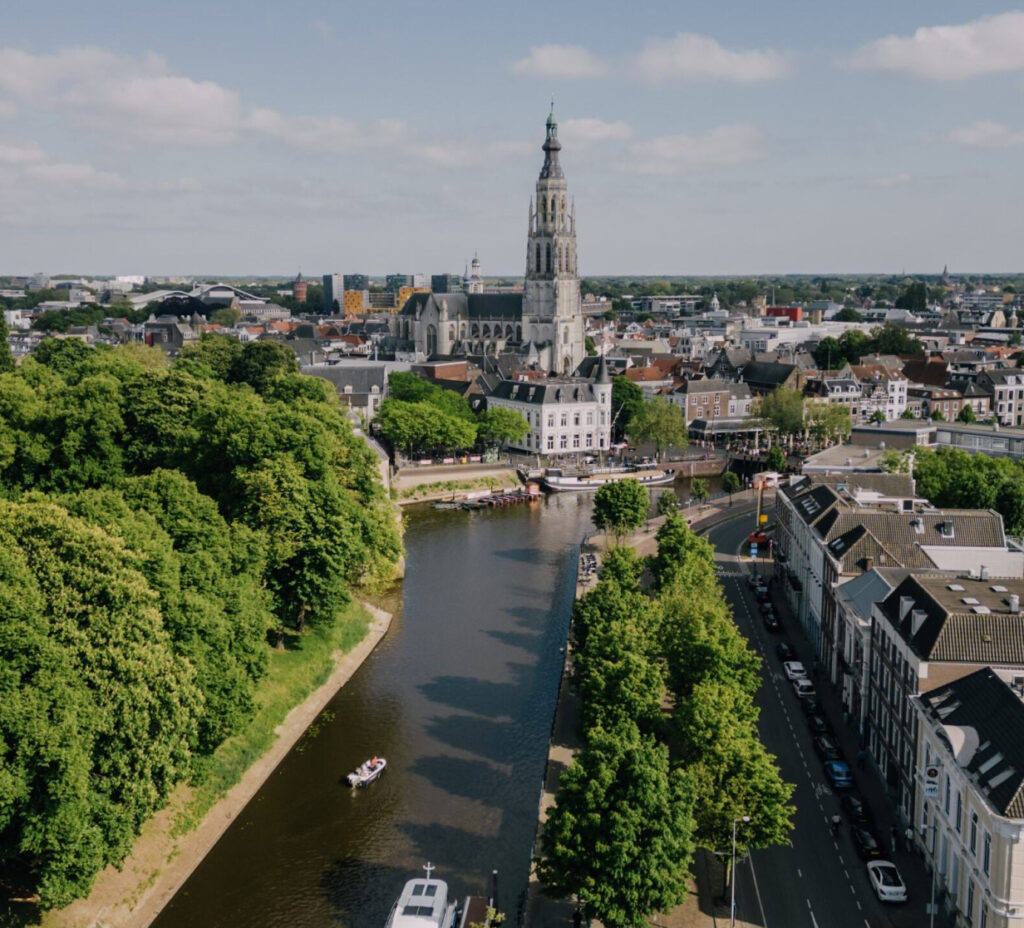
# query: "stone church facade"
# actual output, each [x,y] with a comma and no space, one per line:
[543,325]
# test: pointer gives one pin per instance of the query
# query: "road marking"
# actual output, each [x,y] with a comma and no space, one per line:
[757,890]
[813,919]
[799,873]
[847,872]
[859,906]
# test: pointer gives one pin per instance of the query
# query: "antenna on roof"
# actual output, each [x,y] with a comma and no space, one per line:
[429,867]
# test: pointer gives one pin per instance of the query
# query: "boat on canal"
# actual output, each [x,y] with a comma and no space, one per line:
[556,480]
[423,903]
[367,772]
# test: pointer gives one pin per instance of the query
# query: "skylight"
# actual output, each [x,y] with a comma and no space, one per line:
[990,763]
[970,601]
[998,588]
[981,610]
[1001,777]
[955,587]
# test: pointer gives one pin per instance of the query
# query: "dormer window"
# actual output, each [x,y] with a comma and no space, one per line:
[946,529]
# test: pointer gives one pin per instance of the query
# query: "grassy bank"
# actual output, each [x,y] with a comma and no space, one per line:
[291,676]
[452,486]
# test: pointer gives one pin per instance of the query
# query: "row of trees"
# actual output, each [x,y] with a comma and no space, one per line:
[792,414]
[161,525]
[419,416]
[854,344]
[671,755]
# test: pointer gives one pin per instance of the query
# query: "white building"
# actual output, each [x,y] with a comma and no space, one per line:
[566,415]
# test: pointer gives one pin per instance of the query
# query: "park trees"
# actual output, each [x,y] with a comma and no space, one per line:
[829,422]
[783,408]
[627,401]
[500,426]
[620,507]
[660,423]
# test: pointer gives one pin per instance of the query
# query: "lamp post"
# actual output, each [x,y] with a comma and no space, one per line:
[935,866]
[732,871]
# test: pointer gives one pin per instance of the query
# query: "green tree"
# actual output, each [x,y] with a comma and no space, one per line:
[1014,340]
[784,409]
[619,836]
[854,344]
[908,413]
[6,358]
[620,507]
[667,502]
[891,339]
[914,297]
[730,484]
[226,316]
[828,422]
[937,415]
[261,362]
[699,490]
[590,347]
[660,423]
[627,401]
[776,459]
[219,355]
[62,355]
[966,414]
[500,426]
[848,314]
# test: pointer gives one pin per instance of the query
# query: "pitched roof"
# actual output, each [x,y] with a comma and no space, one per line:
[767,372]
[985,703]
[550,391]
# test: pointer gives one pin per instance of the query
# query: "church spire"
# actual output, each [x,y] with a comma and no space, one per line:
[551,148]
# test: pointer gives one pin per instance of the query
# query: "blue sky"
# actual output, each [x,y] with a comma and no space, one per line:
[698,137]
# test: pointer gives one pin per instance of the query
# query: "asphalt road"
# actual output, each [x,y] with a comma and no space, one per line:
[818,881]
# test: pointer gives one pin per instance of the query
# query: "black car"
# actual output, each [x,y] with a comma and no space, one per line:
[826,748]
[856,809]
[818,725]
[811,706]
[784,651]
[763,597]
[771,622]
[865,842]
[766,608]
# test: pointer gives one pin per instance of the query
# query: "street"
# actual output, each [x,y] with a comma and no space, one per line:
[819,881]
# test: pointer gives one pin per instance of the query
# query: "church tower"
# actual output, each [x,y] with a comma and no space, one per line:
[552,314]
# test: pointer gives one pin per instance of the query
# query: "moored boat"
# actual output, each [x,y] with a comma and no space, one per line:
[557,481]
[367,772]
[423,903]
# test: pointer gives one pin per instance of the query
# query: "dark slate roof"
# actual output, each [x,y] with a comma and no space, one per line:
[766,372]
[361,377]
[507,306]
[952,631]
[544,391]
[985,703]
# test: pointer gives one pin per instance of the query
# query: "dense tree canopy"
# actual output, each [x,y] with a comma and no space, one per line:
[156,523]
[660,423]
[620,507]
[627,401]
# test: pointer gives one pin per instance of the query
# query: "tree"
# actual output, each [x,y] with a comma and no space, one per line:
[914,298]
[966,414]
[6,358]
[627,401]
[848,314]
[937,415]
[776,459]
[226,316]
[828,421]
[908,413]
[261,362]
[1014,340]
[699,490]
[619,836]
[219,355]
[667,502]
[878,416]
[501,426]
[891,339]
[730,484]
[620,507]
[854,344]
[660,423]
[590,347]
[63,355]
[784,409]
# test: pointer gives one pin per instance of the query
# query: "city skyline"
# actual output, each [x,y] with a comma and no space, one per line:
[801,140]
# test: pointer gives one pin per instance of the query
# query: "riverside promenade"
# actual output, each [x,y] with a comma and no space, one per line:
[704,908]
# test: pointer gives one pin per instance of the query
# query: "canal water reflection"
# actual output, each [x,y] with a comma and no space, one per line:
[458,697]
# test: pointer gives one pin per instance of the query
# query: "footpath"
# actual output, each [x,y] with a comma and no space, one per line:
[160,863]
[705,907]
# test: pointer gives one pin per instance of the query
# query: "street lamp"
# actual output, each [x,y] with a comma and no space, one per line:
[732,870]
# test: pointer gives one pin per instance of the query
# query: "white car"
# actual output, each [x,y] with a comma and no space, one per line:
[794,670]
[803,688]
[886,881]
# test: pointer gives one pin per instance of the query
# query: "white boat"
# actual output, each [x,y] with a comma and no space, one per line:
[423,903]
[558,482]
[367,772]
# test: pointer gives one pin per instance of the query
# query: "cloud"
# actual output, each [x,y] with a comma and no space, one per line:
[8,109]
[83,176]
[688,56]
[466,155]
[581,132]
[988,135]
[673,154]
[892,180]
[990,45]
[20,153]
[560,61]
[323,28]
[141,99]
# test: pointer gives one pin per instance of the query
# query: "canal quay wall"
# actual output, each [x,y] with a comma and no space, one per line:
[702,909]
[160,863]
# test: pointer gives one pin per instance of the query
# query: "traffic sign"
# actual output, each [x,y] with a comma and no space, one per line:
[753,549]
[931,780]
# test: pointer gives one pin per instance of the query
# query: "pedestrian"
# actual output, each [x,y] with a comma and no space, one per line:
[894,837]
[909,836]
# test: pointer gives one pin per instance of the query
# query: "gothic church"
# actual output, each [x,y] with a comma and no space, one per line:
[543,325]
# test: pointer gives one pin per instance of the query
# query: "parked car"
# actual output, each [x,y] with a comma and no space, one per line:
[761,589]
[784,651]
[837,772]
[771,622]
[856,809]
[865,842]
[886,881]
[826,748]
[753,581]
[811,706]
[817,724]
[794,670]
[763,597]
[766,607]
[804,689]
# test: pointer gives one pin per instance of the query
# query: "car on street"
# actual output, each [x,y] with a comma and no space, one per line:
[811,706]
[856,809]
[886,881]
[817,724]
[758,538]
[784,651]
[771,622]
[865,842]
[794,670]
[766,607]
[753,581]
[837,772]
[804,689]
[826,748]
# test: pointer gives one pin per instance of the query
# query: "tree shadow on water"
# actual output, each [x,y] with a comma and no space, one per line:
[471,779]
[479,696]
[532,643]
[525,555]
[362,892]
[487,738]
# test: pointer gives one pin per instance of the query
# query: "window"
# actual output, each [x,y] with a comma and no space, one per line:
[576,440]
[986,853]
[969,910]
[565,419]
[947,794]
[551,420]
[563,441]
[590,440]
[590,418]
[551,442]
[973,841]
[576,418]
[959,812]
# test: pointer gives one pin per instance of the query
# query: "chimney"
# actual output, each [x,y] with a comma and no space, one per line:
[869,563]
[1014,602]
[917,618]
[984,572]
[905,603]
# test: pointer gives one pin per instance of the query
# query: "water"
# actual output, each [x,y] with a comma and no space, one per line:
[459,698]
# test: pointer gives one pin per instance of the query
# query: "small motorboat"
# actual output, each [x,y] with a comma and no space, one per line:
[367,772]
[424,903]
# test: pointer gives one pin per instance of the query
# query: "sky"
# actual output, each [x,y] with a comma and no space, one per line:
[699,138]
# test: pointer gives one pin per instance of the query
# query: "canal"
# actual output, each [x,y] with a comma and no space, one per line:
[458,697]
